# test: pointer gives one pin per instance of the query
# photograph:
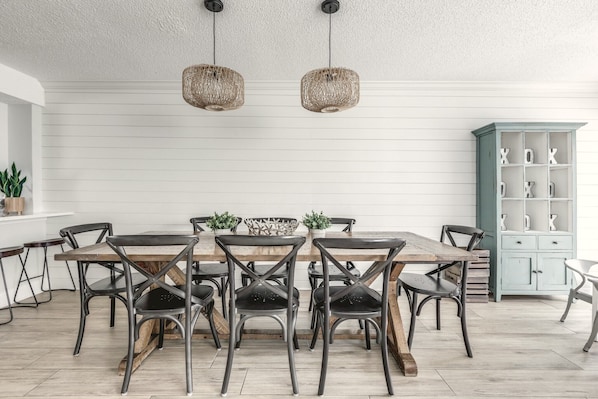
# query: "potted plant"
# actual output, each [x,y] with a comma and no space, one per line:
[316,222]
[222,223]
[12,187]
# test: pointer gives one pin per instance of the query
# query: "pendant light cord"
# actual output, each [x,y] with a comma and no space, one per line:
[214,35]
[329,40]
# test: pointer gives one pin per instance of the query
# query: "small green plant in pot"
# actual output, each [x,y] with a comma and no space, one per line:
[12,187]
[316,222]
[222,221]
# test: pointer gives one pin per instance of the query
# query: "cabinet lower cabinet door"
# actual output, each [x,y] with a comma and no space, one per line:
[518,272]
[552,273]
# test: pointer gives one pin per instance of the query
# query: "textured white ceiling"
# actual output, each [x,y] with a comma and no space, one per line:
[398,40]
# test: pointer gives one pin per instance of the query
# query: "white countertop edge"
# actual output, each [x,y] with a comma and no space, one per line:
[24,218]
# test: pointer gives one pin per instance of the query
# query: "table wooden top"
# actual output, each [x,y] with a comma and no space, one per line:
[418,249]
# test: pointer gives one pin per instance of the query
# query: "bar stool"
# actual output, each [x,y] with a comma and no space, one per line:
[5,253]
[45,274]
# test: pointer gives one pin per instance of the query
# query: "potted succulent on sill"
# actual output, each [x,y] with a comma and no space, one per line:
[12,186]
[222,223]
[316,223]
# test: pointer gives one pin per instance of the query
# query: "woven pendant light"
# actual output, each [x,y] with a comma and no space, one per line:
[212,87]
[329,89]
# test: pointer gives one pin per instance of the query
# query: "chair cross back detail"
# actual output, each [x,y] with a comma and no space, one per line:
[451,232]
[156,278]
[358,282]
[226,242]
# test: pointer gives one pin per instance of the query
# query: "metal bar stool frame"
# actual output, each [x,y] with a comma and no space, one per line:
[6,253]
[45,274]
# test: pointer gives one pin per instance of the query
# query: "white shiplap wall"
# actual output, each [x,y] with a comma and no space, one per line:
[136,154]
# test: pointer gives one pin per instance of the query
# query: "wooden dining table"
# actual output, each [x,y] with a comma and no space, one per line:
[418,249]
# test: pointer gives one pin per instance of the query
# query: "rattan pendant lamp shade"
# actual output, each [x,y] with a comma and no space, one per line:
[212,87]
[329,89]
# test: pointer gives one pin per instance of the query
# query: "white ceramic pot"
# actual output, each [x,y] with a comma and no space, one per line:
[317,233]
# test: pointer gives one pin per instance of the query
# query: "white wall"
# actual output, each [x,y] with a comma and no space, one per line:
[137,155]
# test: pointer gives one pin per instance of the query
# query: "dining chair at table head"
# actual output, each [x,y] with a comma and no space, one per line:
[581,290]
[112,286]
[435,286]
[165,301]
[212,271]
[260,296]
[355,301]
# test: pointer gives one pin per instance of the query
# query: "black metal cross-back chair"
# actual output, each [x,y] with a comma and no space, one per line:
[112,286]
[165,300]
[356,300]
[212,271]
[261,296]
[435,287]
[315,272]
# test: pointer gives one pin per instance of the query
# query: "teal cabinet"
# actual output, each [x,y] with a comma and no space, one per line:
[526,203]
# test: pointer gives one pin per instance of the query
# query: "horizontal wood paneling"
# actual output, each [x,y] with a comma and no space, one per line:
[137,155]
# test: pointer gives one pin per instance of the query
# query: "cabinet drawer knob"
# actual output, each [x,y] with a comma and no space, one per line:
[540,271]
[534,271]
[518,242]
[555,242]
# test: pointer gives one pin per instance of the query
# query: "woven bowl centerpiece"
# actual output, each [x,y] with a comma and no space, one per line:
[271,226]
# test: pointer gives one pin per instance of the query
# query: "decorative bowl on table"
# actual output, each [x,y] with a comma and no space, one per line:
[271,226]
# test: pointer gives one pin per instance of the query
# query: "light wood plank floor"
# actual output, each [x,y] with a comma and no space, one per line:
[521,350]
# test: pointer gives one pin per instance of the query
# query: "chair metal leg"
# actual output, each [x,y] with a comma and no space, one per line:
[413,316]
[161,334]
[384,348]
[231,352]
[569,302]
[464,330]
[210,313]
[593,334]
[224,282]
[9,307]
[368,344]
[317,326]
[188,356]
[130,350]
[112,310]
[312,284]
[291,342]
[325,325]
[438,313]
